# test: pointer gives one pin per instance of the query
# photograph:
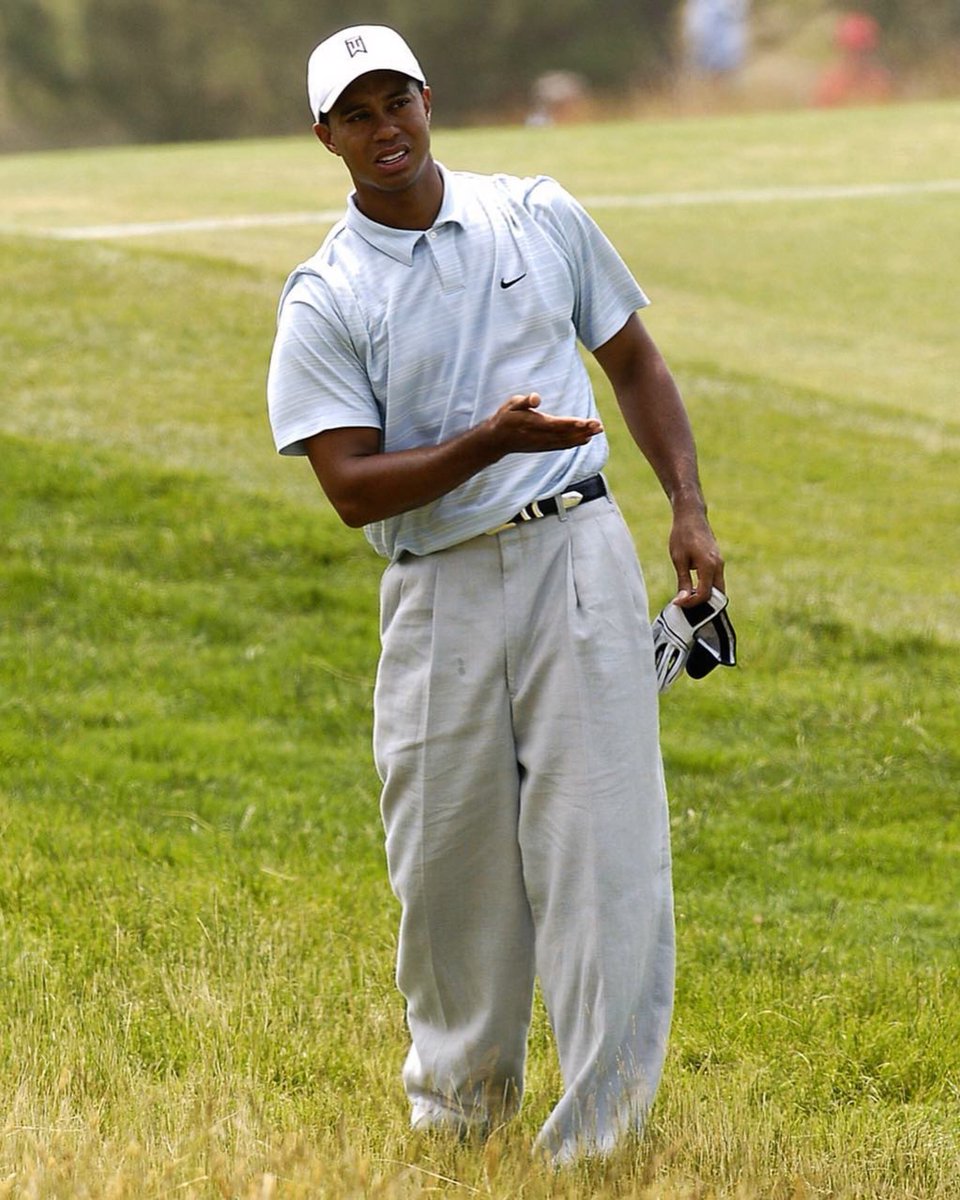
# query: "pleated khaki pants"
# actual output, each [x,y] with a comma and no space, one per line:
[527,836]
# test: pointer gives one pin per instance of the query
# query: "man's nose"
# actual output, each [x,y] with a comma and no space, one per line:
[385,126]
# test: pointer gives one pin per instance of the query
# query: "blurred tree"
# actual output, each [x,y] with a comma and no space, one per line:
[85,70]
[914,28]
[481,59]
[32,57]
[176,70]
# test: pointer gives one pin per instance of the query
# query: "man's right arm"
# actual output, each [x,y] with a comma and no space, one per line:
[365,484]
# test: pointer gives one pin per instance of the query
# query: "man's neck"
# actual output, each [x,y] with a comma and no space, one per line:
[416,207]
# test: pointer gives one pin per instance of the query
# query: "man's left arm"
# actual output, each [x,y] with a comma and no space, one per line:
[657,420]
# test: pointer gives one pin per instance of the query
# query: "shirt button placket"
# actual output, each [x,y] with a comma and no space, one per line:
[446,260]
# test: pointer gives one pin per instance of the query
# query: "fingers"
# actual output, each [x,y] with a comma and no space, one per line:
[685,590]
[519,402]
[691,592]
[699,565]
[523,429]
[689,595]
[698,575]
[560,432]
[532,400]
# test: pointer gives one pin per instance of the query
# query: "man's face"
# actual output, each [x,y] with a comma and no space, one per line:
[380,127]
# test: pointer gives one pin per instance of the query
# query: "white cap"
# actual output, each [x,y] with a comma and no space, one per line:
[345,56]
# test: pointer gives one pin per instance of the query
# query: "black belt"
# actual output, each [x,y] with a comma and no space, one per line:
[580,493]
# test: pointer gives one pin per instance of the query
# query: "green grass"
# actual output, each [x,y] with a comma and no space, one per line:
[196,932]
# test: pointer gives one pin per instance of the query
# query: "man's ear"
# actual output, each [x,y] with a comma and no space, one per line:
[322,130]
[427,100]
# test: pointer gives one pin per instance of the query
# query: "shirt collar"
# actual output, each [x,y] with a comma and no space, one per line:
[400,243]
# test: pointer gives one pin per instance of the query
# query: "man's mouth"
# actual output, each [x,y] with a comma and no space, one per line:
[392,157]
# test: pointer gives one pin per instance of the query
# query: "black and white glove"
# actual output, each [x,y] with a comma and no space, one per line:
[698,638]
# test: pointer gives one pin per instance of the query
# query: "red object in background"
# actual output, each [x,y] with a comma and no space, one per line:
[857,32]
[858,77]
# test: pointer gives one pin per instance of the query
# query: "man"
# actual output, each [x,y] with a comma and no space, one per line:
[515,726]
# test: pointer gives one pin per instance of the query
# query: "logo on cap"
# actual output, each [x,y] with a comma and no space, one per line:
[355,46]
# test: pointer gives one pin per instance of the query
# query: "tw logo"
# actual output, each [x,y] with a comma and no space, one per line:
[355,46]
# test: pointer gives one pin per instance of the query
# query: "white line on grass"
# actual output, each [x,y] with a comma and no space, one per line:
[863,191]
[194,225]
[773,195]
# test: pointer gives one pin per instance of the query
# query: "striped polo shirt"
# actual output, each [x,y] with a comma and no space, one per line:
[423,334]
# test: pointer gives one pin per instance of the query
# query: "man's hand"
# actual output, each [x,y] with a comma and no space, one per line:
[518,427]
[366,484]
[695,552]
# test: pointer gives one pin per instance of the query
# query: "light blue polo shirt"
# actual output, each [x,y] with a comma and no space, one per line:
[423,334]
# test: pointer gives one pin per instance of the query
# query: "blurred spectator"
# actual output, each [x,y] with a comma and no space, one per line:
[558,97]
[858,76]
[716,35]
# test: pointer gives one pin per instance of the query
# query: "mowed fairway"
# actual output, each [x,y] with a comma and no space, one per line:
[196,930]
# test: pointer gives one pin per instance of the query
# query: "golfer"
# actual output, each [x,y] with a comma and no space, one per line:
[426,363]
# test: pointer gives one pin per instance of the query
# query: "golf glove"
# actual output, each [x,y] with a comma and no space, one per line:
[698,638]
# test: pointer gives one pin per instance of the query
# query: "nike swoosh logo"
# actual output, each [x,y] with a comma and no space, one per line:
[505,283]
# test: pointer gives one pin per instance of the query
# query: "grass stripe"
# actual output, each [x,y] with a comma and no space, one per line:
[771,195]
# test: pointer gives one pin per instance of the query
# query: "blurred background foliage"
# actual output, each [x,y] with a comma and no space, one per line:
[83,72]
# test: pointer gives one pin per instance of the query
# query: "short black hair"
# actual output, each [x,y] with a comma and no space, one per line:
[324,118]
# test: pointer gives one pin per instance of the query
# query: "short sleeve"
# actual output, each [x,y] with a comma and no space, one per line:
[316,379]
[606,291]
